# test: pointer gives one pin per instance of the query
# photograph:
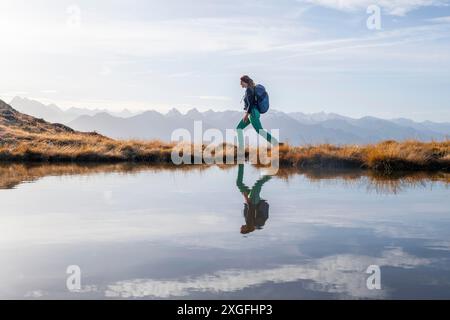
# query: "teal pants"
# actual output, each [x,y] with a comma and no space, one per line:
[256,123]
[254,192]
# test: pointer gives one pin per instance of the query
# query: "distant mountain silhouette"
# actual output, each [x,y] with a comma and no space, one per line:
[334,129]
[53,113]
[443,127]
[295,127]
[25,138]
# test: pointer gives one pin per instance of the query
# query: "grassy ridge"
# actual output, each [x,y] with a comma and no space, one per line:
[24,138]
[75,147]
[385,156]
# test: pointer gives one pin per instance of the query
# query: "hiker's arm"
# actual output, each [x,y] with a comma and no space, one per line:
[246,101]
[245,116]
[249,100]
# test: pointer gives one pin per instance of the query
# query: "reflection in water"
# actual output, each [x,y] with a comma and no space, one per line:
[121,225]
[373,181]
[13,174]
[256,210]
[338,274]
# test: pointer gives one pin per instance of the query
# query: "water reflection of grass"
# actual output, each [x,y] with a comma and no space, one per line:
[379,182]
[16,173]
[13,174]
[17,145]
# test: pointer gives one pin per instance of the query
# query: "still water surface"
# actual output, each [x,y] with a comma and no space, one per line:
[221,233]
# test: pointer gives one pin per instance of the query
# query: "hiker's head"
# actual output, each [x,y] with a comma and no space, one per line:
[247,82]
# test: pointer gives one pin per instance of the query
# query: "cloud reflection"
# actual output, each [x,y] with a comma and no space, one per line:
[340,274]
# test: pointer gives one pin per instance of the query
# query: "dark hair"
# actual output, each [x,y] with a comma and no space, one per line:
[248,81]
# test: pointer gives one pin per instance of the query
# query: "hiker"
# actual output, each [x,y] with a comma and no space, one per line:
[256,210]
[252,112]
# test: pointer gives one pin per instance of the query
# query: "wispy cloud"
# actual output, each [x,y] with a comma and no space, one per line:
[173,54]
[398,39]
[214,98]
[342,274]
[146,39]
[392,7]
[445,19]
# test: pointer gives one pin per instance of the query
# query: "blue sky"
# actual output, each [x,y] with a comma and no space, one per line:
[312,55]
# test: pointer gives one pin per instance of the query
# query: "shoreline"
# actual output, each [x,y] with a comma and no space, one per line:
[387,156]
[26,139]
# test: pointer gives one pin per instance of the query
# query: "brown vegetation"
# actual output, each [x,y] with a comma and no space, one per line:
[386,156]
[26,139]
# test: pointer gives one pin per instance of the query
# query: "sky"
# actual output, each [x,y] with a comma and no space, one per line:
[311,55]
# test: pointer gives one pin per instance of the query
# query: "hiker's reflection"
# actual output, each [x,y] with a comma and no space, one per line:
[256,210]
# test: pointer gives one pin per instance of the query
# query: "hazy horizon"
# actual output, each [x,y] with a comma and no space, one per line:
[184,111]
[312,55]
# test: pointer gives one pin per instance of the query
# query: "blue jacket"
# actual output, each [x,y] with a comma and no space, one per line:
[249,99]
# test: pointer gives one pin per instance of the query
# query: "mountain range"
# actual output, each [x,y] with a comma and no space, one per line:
[52,113]
[295,127]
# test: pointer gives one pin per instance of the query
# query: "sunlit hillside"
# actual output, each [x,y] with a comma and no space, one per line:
[25,138]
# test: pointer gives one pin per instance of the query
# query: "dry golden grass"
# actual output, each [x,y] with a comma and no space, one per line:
[18,145]
[24,138]
[387,156]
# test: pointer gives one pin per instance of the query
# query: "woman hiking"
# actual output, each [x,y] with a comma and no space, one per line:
[252,113]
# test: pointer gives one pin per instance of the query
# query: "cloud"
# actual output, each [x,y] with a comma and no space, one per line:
[391,7]
[342,274]
[150,38]
[215,98]
[440,20]
[441,245]
[387,45]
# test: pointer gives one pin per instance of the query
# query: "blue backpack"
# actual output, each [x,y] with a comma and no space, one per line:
[261,98]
